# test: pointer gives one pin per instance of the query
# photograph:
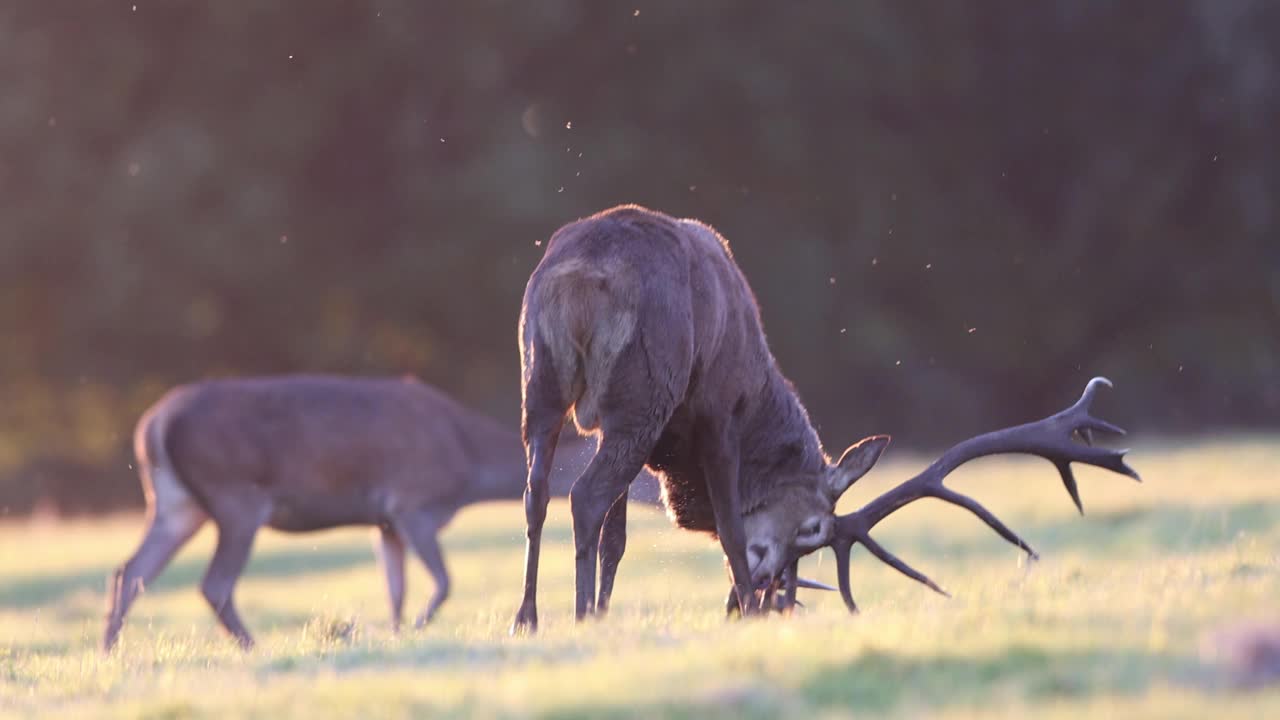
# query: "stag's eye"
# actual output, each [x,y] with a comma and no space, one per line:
[811,528]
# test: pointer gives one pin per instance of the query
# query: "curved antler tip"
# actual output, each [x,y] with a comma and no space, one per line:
[1091,388]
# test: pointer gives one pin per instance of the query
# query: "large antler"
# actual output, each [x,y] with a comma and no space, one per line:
[1050,438]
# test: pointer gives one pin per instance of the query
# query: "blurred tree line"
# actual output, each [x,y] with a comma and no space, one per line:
[952,213]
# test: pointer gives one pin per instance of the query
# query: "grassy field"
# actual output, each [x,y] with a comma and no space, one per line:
[1117,620]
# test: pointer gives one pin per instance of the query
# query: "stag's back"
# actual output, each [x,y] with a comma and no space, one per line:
[628,276]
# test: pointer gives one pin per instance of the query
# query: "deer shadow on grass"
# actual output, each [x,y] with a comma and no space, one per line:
[881,681]
[184,574]
[877,683]
[1161,527]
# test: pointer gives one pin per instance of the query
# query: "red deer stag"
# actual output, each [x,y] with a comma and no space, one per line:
[301,453]
[643,326]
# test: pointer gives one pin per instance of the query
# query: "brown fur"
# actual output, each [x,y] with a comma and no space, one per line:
[644,328]
[303,453]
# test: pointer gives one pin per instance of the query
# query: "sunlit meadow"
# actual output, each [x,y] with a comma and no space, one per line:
[1119,618]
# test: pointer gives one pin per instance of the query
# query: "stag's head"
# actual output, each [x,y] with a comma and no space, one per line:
[796,523]
[798,516]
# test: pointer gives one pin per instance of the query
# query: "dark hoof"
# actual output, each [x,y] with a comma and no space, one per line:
[526,623]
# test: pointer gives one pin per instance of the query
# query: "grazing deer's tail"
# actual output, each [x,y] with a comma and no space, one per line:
[169,500]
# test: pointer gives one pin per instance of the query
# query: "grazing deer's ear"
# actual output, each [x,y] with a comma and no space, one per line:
[855,462]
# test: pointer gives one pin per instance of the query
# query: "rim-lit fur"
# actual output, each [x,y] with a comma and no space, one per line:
[643,329]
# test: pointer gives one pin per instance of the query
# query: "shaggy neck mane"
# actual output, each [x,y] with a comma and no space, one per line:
[780,446]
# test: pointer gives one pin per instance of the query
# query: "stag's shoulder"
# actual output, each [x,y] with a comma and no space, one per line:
[637,237]
[613,234]
[633,216]
[706,237]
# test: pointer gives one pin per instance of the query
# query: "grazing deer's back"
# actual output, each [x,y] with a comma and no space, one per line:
[311,436]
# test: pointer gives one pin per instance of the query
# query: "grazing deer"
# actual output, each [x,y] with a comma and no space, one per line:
[302,453]
[643,326]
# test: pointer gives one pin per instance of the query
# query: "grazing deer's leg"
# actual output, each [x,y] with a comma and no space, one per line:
[544,414]
[390,549]
[423,531]
[613,543]
[165,535]
[229,558]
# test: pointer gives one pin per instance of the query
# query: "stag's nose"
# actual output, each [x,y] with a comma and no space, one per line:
[758,563]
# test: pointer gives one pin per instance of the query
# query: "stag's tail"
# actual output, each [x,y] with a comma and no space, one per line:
[580,314]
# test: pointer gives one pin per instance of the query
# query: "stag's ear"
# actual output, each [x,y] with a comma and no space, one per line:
[855,462]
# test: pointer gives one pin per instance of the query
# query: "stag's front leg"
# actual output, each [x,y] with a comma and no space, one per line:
[603,484]
[613,543]
[720,469]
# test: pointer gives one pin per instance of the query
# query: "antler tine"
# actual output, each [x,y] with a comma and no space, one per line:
[842,546]
[1086,421]
[1050,438]
[787,586]
[894,562]
[1083,423]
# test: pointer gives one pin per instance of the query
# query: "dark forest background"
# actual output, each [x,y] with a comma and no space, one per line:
[952,213]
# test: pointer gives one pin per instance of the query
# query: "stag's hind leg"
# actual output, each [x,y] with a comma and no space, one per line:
[544,412]
[619,459]
[633,411]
